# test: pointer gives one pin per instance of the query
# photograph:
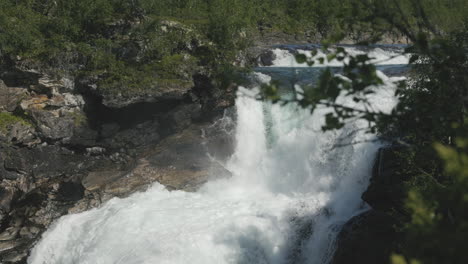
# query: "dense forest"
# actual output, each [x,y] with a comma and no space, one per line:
[99,38]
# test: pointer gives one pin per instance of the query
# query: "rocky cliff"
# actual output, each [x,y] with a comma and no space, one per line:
[373,236]
[68,144]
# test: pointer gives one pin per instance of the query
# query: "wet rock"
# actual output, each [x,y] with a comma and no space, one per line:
[15,257]
[95,151]
[83,137]
[109,130]
[220,136]
[146,133]
[9,234]
[29,232]
[96,180]
[386,190]
[180,118]
[367,238]
[8,195]
[70,191]
[8,245]
[75,151]
[180,161]
[156,92]
[15,77]
[38,161]
[266,58]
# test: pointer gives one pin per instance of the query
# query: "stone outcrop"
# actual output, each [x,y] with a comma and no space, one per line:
[366,238]
[386,191]
[372,236]
[65,147]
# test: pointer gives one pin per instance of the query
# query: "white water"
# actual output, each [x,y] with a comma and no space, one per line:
[289,194]
[284,58]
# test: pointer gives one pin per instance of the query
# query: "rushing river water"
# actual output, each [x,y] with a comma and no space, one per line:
[290,193]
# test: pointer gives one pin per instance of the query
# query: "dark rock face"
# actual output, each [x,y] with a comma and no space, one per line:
[371,237]
[266,58]
[156,93]
[386,191]
[66,148]
[365,239]
[10,97]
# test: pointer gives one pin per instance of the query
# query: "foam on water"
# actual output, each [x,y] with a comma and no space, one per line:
[289,194]
[284,58]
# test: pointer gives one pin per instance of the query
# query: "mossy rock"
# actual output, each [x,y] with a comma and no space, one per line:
[7,120]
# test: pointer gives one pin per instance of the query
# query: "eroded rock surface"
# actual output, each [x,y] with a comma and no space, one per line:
[366,239]
[64,149]
[372,236]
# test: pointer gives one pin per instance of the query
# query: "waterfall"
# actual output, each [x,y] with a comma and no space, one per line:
[292,189]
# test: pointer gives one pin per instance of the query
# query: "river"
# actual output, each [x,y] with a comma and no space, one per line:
[291,190]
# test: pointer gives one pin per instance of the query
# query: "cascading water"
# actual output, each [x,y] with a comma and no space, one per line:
[290,192]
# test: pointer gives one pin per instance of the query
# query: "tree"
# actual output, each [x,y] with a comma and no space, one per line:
[432,111]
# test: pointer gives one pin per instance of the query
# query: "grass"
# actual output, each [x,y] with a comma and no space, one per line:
[8,119]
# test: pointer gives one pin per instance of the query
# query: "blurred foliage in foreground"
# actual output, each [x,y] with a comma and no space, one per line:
[100,36]
[430,120]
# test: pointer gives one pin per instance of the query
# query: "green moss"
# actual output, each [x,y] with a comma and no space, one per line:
[79,118]
[7,120]
[170,71]
[176,66]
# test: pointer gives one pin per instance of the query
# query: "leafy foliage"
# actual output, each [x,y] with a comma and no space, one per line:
[432,110]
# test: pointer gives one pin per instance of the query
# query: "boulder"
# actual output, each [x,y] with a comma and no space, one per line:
[15,77]
[160,90]
[367,238]
[60,117]
[146,133]
[42,162]
[10,98]
[180,161]
[266,58]
[49,85]
[386,191]
[8,195]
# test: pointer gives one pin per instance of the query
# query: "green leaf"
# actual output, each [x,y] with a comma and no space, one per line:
[301,58]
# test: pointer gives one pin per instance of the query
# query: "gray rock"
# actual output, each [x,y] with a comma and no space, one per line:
[9,234]
[95,151]
[180,161]
[8,245]
[58,117]
[15,77]
[52,125]
[10,98]
[70,191]
[142,134]
[386,191]
[180,118]
[29,232]
[8,195]
[367,238]
[154,93]
[109,130]
[266,58]
[51,86]
[43,162]
[22,133]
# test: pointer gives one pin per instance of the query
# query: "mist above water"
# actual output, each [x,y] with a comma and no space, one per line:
[290,192]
